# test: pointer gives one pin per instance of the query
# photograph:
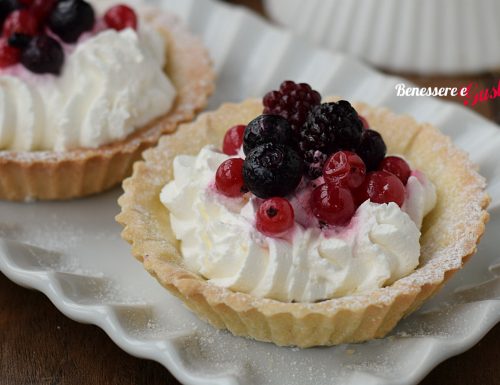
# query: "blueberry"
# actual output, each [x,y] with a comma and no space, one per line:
[371,149]
[266,129]
[70,18]
[272,170]
[43,55]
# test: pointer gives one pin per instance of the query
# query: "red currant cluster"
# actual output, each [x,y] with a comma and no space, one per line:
[344,183]
[32,30]
[347,185]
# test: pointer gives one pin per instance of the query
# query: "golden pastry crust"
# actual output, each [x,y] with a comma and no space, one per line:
[48,175]
[450,236]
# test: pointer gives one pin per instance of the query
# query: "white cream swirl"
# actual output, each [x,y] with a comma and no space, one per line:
[111,84]
[219,240]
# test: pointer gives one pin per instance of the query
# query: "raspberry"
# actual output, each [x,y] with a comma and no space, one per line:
[275,217]
[371,149]
[397,166]
[229,177]
[266,129]
[346,169]
[332,204]
[272,170]
[382,187]
[330,127]
[233,140]
[8,55]
[120,17]
[70,18]
[293,102]
[21,21]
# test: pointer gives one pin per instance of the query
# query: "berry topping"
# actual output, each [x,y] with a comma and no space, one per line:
[329,127]
[233,140]
[272,170]
[70,18]
[293,102]
[346,169]
[6,7]
[266,129]
[332,204]
[8,55]
[120,17]
[43,55]
[382,187]
[19,40]
[397,166]
[371,149]
[275,217]
[42,8]
[229,178]
[20,21]
[366,126]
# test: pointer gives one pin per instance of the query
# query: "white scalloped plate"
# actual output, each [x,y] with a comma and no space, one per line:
[73,253]
[425,36]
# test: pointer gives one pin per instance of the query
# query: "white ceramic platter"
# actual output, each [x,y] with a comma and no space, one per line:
[73,253]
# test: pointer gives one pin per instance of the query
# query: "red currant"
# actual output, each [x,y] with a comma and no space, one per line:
[346,169]
[332,204]
[21,21]
[120,17]
[233,140]
[8,55]
[275,217]
[229,177]
[366,126]
[397,166]
[383,187]
[41,8]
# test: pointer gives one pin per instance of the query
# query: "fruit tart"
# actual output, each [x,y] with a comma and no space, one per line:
[304,222]
[85,88]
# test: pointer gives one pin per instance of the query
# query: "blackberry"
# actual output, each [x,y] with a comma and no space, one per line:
[272,170]
[43,54]
[293,102]
[266,129]
[313,163]
[371,149]
[70,18]
[330,127]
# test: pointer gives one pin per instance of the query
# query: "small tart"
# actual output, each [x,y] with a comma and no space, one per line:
[50,175]
[450,234]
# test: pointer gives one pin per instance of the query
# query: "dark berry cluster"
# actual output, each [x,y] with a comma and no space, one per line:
[33,31]
[293,102]
[329,142]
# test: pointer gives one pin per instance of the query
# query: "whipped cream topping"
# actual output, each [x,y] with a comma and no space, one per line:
[112,83]
[219,239]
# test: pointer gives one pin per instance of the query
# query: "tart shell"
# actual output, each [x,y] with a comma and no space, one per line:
[449,237]
[49,175]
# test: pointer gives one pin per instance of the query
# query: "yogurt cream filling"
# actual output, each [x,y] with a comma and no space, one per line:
[219,239]
[111,84]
